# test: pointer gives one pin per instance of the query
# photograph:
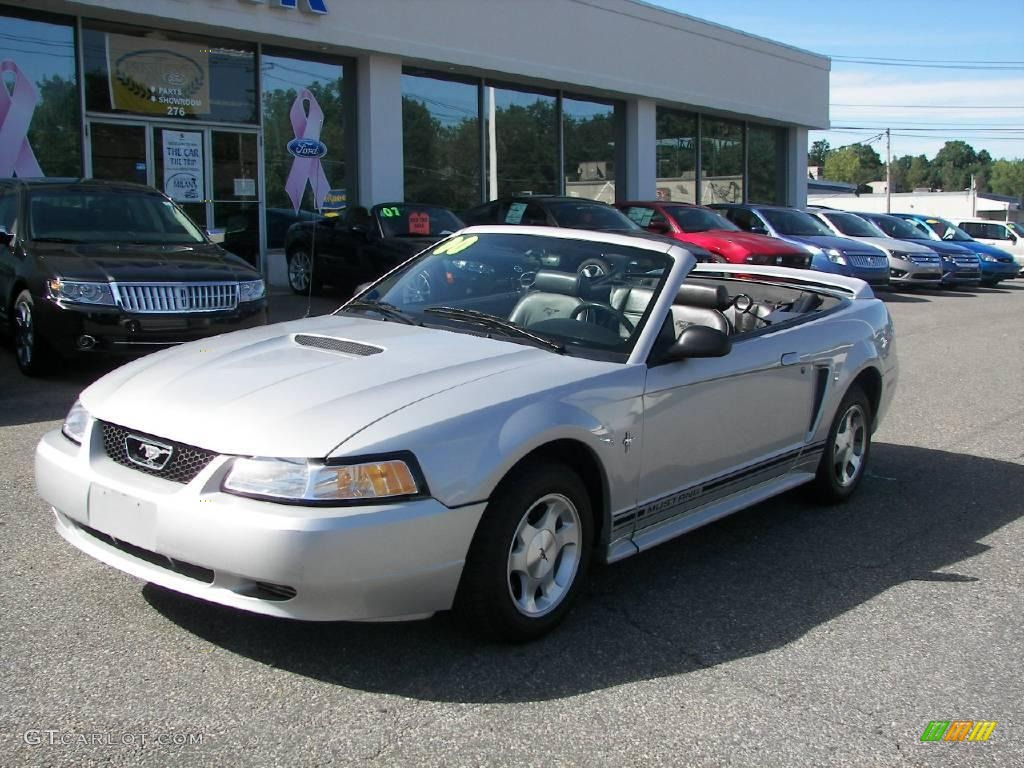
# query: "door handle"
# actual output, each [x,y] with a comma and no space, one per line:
[791,358]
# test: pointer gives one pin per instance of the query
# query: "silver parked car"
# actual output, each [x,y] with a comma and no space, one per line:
[909,263]
[474,429]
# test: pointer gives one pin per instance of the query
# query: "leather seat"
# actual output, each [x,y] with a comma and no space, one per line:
[554,294]
[750,320]
[701,305]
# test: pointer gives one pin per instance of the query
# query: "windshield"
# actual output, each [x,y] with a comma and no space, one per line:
[947,230]
[699,220]
[587,214]
[898,228]
[417,221]
[853,225]
[109,216]
[527,283]
[794,223]
[1017,228]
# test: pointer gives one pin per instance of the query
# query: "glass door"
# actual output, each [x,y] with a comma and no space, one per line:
[180,169]
[117,152]
[236,204]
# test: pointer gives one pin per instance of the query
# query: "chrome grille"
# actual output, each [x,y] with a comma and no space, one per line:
[918,259]
[967,261]
[864,260]
[176,297]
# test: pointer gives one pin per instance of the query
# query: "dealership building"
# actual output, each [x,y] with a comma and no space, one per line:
[443,101]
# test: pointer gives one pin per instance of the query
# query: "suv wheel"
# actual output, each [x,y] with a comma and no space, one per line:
[30,350]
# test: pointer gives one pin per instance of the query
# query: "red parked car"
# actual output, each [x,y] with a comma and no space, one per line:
[701,226]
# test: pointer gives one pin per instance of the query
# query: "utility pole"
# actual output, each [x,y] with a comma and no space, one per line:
[888,173]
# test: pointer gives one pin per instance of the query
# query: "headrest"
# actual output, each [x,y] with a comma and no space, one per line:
[704,296]
[549,281]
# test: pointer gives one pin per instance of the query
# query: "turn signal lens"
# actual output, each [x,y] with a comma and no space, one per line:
[76,423]
[362,481]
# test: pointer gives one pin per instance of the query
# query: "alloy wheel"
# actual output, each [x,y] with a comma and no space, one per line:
[545,555]
[24,333]
[300,270]
[850,445]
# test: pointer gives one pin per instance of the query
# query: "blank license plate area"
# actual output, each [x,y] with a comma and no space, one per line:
[122,516]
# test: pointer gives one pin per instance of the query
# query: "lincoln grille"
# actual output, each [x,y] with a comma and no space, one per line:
[185,463]
[864,260]
[177,297]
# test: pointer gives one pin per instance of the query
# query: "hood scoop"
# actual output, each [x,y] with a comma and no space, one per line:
[330,344]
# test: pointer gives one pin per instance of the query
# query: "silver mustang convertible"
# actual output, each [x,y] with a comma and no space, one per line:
[474,429]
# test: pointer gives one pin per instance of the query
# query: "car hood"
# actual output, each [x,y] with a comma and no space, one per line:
[979,247]
[826,242]
[141,263]
[260,392]
[941,246]
[750,241]
[891,243]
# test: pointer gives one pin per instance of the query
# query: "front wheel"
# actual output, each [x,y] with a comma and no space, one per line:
[847,449]
[530,555]
[30,350]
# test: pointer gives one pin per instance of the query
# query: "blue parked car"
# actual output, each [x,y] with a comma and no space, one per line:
[996,264]
[828,253]
[960,266]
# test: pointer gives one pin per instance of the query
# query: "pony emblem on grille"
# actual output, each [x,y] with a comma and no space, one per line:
[147,453]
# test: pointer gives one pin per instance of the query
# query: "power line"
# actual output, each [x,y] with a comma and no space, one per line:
[977,67]
[931,61]
[929,106]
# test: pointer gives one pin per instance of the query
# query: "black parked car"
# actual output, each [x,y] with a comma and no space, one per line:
[572,212]
[360,245]
[242,229]
[92,266]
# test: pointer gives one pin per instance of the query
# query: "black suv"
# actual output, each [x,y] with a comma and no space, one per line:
[90,266]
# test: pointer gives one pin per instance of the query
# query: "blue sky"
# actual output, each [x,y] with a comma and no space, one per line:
[982,106]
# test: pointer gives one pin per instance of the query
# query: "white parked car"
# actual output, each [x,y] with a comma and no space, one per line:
[474,429]
[1007,235]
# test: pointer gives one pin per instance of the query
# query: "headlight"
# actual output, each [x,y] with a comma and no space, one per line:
[987,257]
[835,255]
[80,292]
[297,480]
[75,423]
[250,290]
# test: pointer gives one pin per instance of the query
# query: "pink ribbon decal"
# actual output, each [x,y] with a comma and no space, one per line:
[306,125]
[16,108]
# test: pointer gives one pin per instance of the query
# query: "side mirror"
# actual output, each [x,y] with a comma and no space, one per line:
[698,341]
[1013,238]
[6,238]
[216,236]
[758,230]
[660,227]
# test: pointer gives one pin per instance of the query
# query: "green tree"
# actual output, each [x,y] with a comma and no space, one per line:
[900,170]
[919,174]
[819,151]
[857,164]
[55,130]
[954,164]
[1006,177]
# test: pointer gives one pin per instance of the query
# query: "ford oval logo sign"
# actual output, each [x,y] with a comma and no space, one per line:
[306,148]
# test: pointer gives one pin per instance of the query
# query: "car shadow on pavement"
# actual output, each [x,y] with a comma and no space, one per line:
[905,297]
[746,585]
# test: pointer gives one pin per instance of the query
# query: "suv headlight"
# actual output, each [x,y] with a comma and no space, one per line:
[835,255]
[80,292]
[76,423]
[986,257]
[308,482]
[250,290]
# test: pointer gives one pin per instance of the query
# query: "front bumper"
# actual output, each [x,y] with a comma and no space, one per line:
[911,273]
[117,331]
[998,270]
[392,561]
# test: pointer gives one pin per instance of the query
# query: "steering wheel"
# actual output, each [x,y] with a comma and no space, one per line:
[629,324]
[743,303]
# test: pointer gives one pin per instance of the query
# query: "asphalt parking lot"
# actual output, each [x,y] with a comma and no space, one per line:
[786,635]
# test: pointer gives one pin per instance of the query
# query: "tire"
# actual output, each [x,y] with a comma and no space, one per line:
[594,268]
[30,351]
[539,510]
[850,434]
[302,277]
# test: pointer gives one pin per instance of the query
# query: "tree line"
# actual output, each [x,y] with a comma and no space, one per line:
[950,170]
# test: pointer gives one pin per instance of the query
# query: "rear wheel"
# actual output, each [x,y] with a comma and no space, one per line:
[301,278]
[530,555]
[847,449]
[30,351]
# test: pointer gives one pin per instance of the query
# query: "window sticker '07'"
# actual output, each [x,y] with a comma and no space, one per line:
[455,245]
[515,213]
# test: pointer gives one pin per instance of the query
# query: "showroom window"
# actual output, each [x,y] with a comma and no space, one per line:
[303,98]
[155,73]
[721,161]
[676,155]
[42,122]
[766,164]
[522,129]
[441,140]
[588,141]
